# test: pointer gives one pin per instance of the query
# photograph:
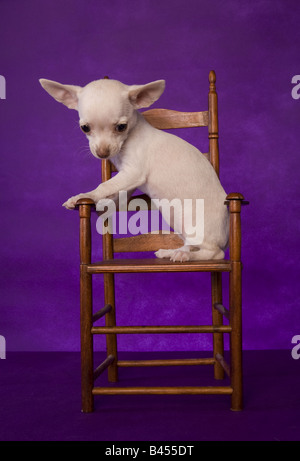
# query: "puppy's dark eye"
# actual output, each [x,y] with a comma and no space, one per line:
[86,128]
[121,127]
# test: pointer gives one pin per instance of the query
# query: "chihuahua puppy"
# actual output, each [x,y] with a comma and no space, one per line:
[158,163]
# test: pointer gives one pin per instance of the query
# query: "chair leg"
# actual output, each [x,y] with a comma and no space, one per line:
[87,361]
[110,321]
[217,317]
[236,372]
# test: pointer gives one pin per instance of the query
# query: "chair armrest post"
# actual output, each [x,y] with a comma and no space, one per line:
[85,238]
[235,201]
[86,308]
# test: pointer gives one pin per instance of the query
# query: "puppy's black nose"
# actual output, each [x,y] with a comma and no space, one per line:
[103,153]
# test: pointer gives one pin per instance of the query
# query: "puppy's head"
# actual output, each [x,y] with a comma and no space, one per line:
[106,108]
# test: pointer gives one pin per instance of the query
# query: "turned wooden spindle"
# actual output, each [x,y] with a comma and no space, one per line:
[235,300]
[109,287]
[87,361]
[213,129]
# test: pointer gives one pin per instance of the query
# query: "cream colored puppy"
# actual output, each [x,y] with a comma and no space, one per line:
[158,163]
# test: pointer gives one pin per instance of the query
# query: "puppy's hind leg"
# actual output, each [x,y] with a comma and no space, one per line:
[190,253]
[207,253]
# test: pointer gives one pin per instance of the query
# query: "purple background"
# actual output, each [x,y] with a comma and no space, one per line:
[254,49]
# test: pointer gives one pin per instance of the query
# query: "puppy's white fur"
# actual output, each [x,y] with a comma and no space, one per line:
[158,163]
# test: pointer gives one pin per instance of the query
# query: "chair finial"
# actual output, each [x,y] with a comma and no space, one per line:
[212,82]
[212,77]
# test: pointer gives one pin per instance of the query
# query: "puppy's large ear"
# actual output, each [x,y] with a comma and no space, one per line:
[66,94]
[145,95]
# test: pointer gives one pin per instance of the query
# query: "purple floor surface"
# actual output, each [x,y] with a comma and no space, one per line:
[40,401]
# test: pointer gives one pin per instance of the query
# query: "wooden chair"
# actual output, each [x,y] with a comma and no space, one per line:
[162,119]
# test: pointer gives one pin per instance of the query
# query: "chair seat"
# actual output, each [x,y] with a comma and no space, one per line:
[157,265]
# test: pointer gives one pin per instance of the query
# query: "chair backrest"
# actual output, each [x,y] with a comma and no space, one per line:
[167,119]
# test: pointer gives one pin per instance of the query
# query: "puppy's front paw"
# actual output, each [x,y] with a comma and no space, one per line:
[163,253]
[71,202]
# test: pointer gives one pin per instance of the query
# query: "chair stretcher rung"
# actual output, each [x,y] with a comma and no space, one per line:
[166,362]
[162,329]
[223,364]
[108,361]
[220,308]
[162,390]
[107,308]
